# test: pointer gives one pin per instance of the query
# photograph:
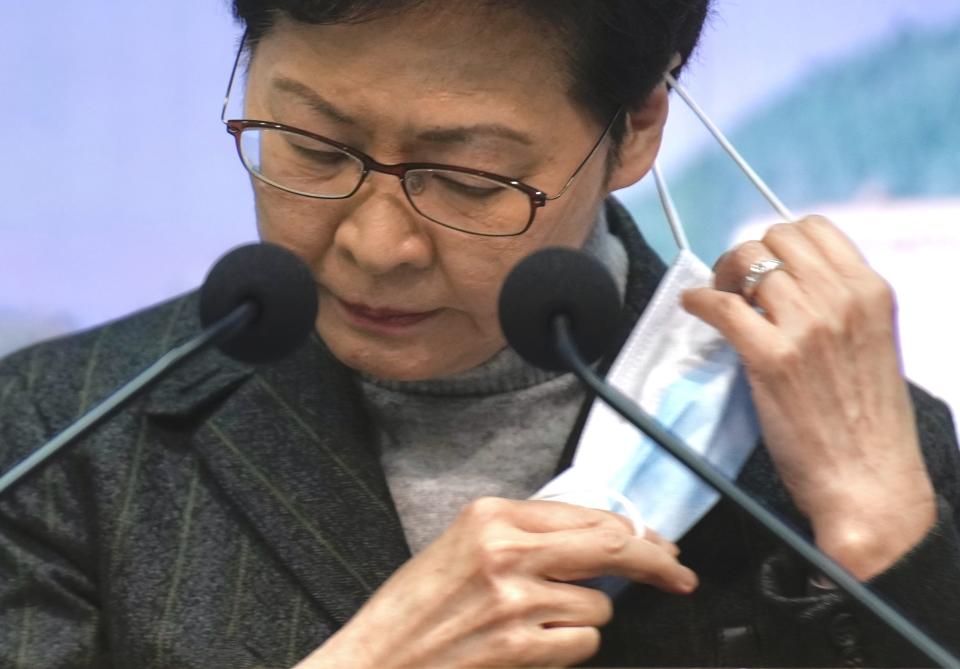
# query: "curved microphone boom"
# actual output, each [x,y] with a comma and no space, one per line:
[257,304]
[553,317]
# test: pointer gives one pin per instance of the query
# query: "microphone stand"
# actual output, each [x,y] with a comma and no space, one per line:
[226,327]
[567,349]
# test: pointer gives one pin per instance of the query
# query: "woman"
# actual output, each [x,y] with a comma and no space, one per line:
[244,517]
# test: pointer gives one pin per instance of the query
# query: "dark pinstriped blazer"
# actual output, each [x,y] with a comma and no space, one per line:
[237,516]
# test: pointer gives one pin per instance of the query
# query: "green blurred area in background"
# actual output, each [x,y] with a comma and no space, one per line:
[883,124]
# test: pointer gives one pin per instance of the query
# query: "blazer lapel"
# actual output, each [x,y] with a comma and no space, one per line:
[293,450]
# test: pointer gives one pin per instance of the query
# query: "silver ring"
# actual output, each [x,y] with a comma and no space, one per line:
[756,274]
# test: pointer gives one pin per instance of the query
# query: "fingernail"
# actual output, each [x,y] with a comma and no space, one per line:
[689,582]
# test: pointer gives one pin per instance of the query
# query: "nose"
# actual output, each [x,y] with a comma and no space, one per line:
[383,233]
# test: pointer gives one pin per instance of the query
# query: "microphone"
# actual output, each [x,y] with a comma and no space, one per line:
[277,284]
[550,308]
[558,281]
[257,304]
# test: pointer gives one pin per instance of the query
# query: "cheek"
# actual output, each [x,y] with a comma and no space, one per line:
[570,224]
[291,221]
[475,272]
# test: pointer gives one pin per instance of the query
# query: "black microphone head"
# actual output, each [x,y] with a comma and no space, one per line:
[278,283]
[553,282]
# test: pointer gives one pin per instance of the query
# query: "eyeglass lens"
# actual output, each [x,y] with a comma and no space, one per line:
[307,166]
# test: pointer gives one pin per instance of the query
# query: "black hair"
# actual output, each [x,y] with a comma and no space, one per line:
[617,50]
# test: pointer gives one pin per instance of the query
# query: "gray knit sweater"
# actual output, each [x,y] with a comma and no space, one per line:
[495,430]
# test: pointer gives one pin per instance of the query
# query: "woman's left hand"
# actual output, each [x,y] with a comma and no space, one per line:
[824,368]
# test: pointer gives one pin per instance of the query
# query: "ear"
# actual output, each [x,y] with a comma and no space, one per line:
[641,140]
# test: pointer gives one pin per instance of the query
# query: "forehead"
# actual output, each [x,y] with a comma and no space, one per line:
[456,60]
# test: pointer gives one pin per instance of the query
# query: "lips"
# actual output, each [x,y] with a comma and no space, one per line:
[382,318]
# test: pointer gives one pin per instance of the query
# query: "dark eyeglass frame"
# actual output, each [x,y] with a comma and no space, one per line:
[537,197]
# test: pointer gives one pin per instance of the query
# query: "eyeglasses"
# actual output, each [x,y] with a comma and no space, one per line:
[460,198]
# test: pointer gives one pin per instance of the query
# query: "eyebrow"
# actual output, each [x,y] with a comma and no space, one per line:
[452,135]
[313,100]
[463,134]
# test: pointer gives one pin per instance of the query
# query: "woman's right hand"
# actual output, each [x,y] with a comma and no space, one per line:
[494,590]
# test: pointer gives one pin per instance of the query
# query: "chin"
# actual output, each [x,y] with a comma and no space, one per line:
[396,363]
[393,367]
[401,363]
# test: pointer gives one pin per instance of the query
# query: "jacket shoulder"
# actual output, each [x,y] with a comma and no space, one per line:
[61,378]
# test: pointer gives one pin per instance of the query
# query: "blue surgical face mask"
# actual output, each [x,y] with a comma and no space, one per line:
[683,372]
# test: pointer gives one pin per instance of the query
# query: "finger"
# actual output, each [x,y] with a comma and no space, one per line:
[752,335]
[569,605]
[807,264]
[732,268]
[788,242]
[783,302]
[656,538]
[579,554]
[554,516]
[565,646]
[777,291]
[733,265]
[538,516]
[839,249]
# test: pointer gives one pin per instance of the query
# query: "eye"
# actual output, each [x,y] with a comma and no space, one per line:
[330,158]
[465,184]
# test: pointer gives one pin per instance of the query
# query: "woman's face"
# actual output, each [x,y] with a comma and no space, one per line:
[400,296]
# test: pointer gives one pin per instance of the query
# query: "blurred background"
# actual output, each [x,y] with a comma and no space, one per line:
[119,186]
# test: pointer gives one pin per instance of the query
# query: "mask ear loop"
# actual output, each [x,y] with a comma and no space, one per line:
[670,209]
[731,151]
